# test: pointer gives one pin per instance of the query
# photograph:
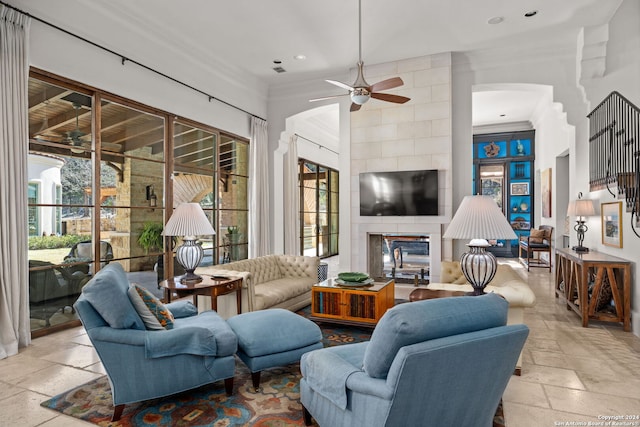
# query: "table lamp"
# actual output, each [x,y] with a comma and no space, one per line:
[479,218]
[189,221]
[580,208]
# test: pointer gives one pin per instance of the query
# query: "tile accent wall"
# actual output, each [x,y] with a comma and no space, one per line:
[411,136]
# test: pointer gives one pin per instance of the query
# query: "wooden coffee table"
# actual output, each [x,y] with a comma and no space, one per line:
[210,285]
[422,293]
[361,305]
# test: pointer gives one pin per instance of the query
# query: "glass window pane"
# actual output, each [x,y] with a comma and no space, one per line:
[234,155]
[133,182]
[233,192]
[194,149]
[60,118]
[131,132]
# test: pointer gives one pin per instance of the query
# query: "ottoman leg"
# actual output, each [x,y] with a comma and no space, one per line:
[255,379]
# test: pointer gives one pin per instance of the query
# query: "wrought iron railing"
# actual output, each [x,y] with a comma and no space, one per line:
[614,151]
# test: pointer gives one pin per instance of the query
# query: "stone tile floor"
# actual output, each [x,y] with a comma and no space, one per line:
[571,375]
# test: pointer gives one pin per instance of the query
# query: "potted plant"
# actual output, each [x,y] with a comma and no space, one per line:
[150,238]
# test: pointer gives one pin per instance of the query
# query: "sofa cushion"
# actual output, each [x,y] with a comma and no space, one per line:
[411,323]
[450,272]
[107,293]
[153,313]
[277,291]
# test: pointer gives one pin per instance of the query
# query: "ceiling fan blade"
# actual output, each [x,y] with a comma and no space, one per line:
[328,97]
[386,84]
[390,98]
[340,84]
[354,107]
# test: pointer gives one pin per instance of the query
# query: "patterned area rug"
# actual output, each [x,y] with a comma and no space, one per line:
[276,404]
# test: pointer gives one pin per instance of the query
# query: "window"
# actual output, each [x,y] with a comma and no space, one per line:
[319,209]
[34,218]
[100,175]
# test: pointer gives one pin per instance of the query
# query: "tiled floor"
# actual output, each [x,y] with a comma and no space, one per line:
[570,373]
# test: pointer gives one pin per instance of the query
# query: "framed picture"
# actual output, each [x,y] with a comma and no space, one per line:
[545,186]
[519,188]
[611,217]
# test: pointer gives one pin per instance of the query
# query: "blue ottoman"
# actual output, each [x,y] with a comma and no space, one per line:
[273,337]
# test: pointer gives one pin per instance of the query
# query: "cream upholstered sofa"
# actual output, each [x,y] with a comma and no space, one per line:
[271,281]
[507,282]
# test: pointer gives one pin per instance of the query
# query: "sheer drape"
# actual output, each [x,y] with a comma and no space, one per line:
[291,199]
[14,136]
[258,189]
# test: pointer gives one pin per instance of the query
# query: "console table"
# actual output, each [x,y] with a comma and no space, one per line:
[582,278]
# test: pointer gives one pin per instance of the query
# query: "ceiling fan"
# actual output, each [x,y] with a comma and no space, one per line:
[74,137]
[360,91]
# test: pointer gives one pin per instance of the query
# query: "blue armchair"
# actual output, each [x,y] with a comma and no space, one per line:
[145,364]
[440,362]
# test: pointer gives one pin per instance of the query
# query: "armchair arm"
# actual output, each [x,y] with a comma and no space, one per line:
[181,309]
[194,340]
[327,373]
[360,382]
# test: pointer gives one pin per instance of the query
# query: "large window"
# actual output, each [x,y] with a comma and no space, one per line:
[104,174]
[318,209]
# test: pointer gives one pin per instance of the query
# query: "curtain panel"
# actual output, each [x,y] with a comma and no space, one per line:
[291,199]
[259,217]
[14,139]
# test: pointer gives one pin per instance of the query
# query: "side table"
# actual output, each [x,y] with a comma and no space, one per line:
[210,285]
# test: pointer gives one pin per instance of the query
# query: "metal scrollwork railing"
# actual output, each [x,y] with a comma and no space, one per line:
[614,151]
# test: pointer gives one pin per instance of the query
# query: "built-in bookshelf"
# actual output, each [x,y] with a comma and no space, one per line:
[503,168]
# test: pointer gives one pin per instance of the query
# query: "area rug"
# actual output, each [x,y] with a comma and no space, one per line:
[275,404]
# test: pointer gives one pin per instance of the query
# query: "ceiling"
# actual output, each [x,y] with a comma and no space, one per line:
[245,37]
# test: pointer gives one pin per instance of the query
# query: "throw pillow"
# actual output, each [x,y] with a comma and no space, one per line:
[537,236]
[154,314]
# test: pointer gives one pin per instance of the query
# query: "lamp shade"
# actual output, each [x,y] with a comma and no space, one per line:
[581,207]
[188,220]
[479,217]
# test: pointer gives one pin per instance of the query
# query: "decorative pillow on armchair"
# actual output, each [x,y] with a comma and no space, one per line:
[537,236]
[154,314]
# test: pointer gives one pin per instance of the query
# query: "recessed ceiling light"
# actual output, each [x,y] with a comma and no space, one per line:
[495,20]
[531,13]
[277,61]
[300,57]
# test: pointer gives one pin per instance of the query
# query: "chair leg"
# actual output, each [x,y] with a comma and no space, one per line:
[117,412]
[306,416]
[255,379]
[228,386]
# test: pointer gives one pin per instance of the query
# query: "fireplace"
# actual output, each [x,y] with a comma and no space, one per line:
[404,257]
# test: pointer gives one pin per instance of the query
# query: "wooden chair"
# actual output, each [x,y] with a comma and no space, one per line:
[539,240]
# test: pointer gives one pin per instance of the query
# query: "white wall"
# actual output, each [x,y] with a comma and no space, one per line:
[622,74]
[64,55]
[558,67]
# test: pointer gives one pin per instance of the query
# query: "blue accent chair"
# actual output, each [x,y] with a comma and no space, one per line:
[145,364]
[439,362]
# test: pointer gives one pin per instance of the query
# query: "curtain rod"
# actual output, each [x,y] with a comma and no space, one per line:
[319,145]
[125,59]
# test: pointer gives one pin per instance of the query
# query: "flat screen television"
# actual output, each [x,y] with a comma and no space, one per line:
[401,193]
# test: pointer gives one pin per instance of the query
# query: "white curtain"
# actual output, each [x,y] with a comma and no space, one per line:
[14,137]
[258,189]
[291,199]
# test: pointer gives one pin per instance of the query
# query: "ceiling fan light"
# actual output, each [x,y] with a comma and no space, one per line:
[360,96]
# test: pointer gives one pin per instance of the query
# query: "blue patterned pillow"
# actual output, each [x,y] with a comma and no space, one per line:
[154,314]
